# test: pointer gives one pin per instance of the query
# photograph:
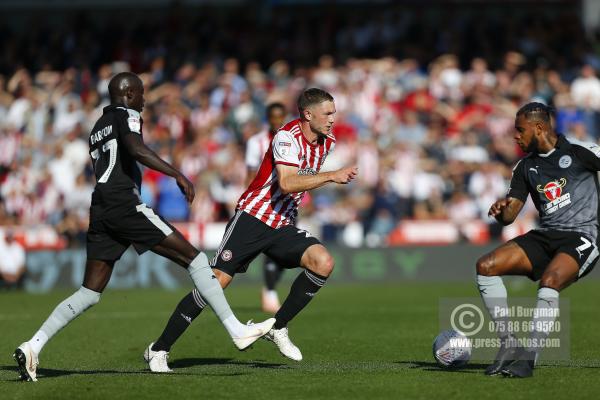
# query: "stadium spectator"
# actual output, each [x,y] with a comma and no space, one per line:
[12,262]
[585,89]
[424,127]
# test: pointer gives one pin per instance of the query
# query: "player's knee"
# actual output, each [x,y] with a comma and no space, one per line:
[223,278]
[485,266]
[325,264]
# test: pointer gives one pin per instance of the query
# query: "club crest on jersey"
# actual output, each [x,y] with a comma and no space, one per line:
[565,161]
[226,255]
[553,191]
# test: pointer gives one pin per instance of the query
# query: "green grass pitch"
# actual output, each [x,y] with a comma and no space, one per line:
[358,341]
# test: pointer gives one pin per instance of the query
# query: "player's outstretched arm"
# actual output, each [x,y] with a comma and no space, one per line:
[291,182]
[143,154]
[506,210]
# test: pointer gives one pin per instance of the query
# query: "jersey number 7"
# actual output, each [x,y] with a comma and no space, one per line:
[111,147]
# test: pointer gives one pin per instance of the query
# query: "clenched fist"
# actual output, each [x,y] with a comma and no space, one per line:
[186,187]
[345,175]
[497,207]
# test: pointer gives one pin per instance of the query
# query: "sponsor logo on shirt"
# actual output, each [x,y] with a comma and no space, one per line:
[553,191]
[307,171]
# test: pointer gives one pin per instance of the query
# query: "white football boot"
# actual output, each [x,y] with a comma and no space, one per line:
[253,333]
[282,340]
[27,361]
[157,360]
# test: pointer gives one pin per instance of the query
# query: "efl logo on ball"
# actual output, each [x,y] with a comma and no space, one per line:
[452,349]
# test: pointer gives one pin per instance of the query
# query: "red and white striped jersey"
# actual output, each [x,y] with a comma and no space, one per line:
[256,147]
[263,198]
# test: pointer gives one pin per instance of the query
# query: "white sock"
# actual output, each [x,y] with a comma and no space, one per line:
[69,309]
[38,341]
[495,298]
[210,289]
[234,327]
[545,313]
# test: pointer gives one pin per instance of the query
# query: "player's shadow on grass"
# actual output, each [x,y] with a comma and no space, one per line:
[194,362]
[55,373]
[477,368]
[433,366]
[181,363]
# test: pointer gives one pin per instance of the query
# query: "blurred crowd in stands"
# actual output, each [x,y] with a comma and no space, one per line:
[431,129]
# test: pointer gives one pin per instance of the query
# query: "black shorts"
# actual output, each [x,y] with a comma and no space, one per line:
[107,239]
[542,246]
[246,237]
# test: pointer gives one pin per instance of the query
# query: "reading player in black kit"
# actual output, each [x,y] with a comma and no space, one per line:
[119,219]
[561,178]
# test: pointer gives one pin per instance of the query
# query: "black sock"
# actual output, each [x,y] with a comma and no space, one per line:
[186,311]
[272,274]
[303,290]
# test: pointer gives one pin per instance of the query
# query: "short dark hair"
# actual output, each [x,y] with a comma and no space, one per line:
[537,111]
[273,106]
[312,96]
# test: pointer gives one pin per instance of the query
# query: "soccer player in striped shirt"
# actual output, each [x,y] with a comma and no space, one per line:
[264,222]
[256,147]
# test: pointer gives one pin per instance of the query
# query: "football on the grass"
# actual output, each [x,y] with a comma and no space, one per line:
[452,349]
